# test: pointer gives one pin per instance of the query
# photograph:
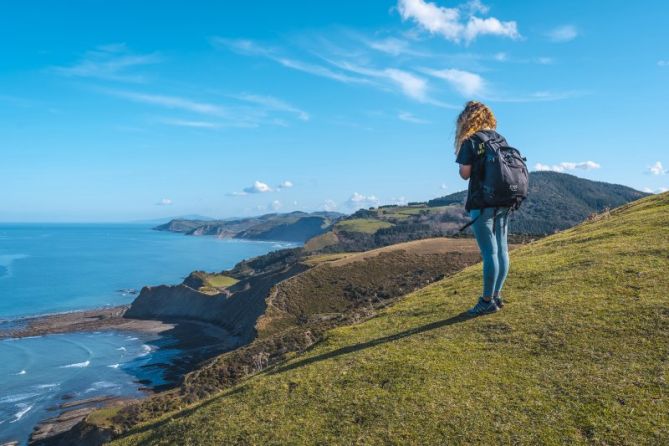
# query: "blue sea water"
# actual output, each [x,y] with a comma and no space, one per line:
[55,268]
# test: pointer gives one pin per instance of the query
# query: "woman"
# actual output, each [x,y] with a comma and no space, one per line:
[489,224]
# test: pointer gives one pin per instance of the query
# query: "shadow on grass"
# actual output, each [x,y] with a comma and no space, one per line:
[373,343]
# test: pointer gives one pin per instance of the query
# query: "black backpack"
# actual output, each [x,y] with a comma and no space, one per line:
[502,173]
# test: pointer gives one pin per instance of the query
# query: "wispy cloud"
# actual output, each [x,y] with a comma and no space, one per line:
[109,62]
[164,202]
[455,24]
[171,102]
[408,117]
[410,84]
[657,169]
[564,33]
[584,165]
[663,63]
[393,46]
[273,103]
[464,82]
[219,115]
[251,48]
[192,124]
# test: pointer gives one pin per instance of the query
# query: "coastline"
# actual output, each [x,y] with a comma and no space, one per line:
[107,318]
[197,341]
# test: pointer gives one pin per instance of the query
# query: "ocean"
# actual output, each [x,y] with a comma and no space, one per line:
[50,268]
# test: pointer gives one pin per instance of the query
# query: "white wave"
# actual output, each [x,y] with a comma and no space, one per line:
[131,338]
[76,365]
[22,372]
[23,409]
[47,386]
[122,349]
[114,366]
[99,385]
[17,397]
[146,349]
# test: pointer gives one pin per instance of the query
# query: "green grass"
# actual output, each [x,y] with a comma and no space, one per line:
[220,280]
[365,225]
[580,355]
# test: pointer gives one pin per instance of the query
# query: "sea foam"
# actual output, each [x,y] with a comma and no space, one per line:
[76,365]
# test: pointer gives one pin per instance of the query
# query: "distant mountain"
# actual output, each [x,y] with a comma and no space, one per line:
[557,201]
[160,221]
[294,227]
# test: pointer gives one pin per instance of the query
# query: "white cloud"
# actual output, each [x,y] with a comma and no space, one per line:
[390,45]
[411,85]
[249,47]
[285,185]
[584,165]
[443,186]
[171,102]
[258,187]
[164,202]
[659,190]
[663,63]
[329,206]
[464,82]
[408,117]
[109,62]
[450,23]
[474,6]
[274,104]
[657,169]
[545,60]
[564,33]
[501,57]
[276,205]
[358,201]
[193,124]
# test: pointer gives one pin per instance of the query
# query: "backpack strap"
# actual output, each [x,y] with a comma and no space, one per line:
[470,223]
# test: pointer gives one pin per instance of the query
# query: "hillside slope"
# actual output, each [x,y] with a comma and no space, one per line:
[579,355]
[558,201]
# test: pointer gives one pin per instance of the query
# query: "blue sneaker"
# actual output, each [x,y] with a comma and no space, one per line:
[498,301]
[483,307]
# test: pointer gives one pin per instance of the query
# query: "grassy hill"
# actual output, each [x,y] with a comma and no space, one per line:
[580,355]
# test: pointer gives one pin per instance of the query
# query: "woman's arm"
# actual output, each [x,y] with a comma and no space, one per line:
[465,171]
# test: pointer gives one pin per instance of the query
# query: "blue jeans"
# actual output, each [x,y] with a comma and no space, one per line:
[493,246]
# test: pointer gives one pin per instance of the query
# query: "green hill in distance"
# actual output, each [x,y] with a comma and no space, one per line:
[556,201]
[580,355]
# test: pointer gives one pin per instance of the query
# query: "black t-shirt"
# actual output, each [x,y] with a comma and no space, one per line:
[470,154]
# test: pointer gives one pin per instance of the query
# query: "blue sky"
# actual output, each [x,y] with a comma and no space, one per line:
[122,110]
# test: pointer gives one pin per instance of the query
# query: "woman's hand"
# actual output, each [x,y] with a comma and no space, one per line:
[465,171]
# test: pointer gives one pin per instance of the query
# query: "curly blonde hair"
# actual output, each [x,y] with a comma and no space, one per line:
[476,116]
